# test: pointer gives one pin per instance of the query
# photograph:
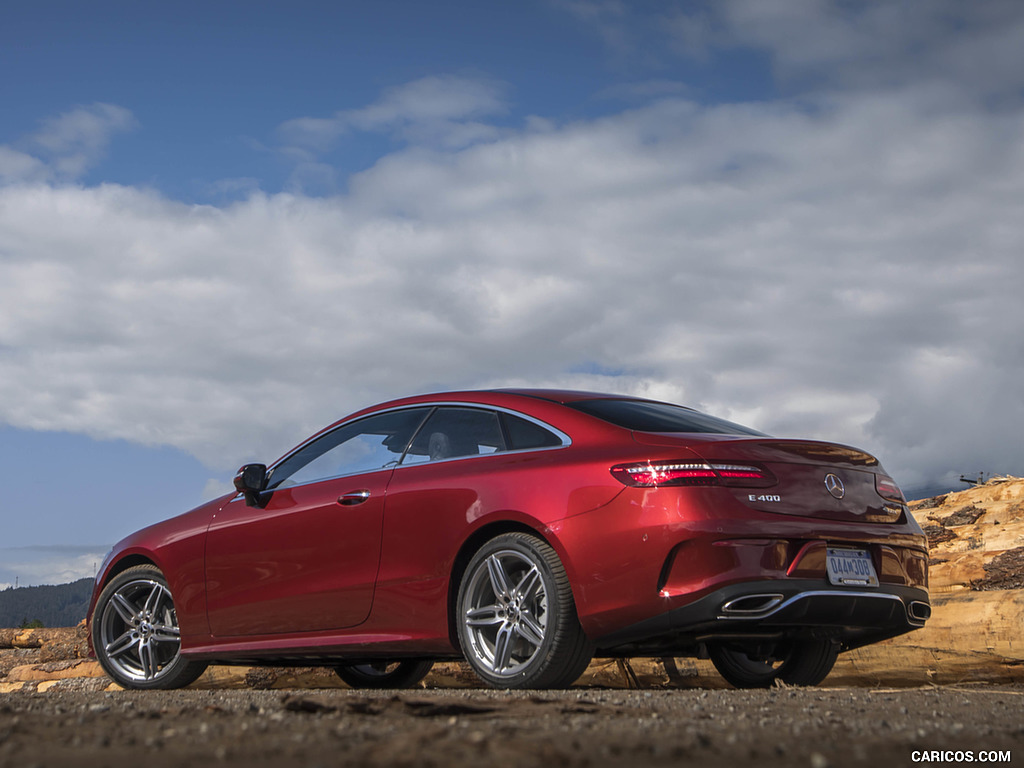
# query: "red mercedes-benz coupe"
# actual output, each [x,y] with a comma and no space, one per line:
[527,531]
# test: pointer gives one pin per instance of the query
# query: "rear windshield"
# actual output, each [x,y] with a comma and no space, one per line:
[647,416]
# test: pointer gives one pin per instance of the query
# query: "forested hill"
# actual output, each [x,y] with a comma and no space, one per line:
[63,605]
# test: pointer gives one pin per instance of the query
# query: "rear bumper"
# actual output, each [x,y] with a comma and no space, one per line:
[652,551]
[776,609]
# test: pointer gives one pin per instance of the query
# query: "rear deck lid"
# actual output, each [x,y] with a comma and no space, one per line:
[814,479]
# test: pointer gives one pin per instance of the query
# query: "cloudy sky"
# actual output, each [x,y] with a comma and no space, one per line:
[225,225]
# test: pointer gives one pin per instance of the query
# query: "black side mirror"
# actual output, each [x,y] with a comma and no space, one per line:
[250,481]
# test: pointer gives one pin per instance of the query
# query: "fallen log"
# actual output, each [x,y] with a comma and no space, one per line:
[54,670]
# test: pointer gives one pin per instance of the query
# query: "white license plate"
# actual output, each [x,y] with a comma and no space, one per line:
[850,568]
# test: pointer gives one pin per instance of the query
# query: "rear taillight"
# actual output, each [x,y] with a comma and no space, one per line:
[658,474]
[888,490]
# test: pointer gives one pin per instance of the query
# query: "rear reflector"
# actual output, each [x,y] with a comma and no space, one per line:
[657,474]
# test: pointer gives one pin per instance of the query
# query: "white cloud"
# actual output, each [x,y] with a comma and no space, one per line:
[799,267]
[216,488]
[971,50]
[843,266]
[66,146]
[76,140]
[442,110]
[606,18]
[34,566]
[18,166]
[971,46]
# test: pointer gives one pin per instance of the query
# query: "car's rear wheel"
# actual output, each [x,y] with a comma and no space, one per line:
[798,662]
[517,618]
[384,674]
[135,632]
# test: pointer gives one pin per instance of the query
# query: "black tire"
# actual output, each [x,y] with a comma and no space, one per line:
[135,632]
[394,674]
[516,616]
[799,662]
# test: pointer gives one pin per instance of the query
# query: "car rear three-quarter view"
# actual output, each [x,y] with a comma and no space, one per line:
[525,531]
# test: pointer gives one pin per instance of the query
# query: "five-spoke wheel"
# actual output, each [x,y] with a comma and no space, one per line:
[517,618]
[135,632]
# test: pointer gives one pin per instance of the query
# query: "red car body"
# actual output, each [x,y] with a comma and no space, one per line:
[368,566]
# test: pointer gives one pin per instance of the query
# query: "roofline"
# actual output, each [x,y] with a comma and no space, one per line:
[563,396]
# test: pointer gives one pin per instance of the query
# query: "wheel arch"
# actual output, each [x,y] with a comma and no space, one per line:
[126,562]
[469,548]
[116,567]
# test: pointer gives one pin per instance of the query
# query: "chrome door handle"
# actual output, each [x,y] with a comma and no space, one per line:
[352,498]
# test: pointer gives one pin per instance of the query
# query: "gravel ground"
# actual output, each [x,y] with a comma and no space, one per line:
[816,728]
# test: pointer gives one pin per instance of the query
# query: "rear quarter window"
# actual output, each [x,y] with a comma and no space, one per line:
[524,435]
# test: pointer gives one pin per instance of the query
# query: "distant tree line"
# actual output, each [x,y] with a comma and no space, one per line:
[63,605]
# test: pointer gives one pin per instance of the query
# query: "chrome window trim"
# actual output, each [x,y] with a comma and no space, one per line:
[562,436]
[566,440]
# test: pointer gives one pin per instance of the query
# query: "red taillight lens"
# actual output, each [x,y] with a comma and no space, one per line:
[658,474]
[741,472]
[888,490]
[649,475]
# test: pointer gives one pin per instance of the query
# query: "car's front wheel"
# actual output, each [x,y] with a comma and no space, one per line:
[517,618]
[135,632]
[385,674]
[797,662]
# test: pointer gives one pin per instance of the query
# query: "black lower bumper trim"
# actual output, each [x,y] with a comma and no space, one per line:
[854,616]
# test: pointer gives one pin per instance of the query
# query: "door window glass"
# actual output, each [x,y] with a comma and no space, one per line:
[365,445]
[452,433]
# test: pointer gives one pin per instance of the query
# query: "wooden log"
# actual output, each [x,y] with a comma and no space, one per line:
[54,670]
[950,649]
[37,638]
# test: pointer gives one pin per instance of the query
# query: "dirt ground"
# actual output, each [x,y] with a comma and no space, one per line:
[816,728]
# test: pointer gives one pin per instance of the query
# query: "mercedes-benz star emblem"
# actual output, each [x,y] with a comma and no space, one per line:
[835,486]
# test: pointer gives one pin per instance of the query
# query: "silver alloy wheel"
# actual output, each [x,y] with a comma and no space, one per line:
[505,612]
[139,630]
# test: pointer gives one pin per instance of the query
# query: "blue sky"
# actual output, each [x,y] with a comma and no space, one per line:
[209,84]
[223,225]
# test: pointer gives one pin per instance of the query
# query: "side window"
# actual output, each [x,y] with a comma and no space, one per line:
[524,435]
[362,446]
[455,432]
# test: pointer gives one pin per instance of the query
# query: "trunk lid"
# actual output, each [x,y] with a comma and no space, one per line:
[814,479]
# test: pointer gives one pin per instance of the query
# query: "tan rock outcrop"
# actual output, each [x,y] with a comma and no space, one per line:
[976,537]
[976,552]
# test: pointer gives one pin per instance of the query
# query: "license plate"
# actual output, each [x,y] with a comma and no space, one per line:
[850,568]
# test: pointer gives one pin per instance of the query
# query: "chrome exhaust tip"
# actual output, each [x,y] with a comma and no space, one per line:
[919,611]
[751,606]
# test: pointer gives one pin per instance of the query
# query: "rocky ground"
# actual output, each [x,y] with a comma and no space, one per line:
[816,728]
